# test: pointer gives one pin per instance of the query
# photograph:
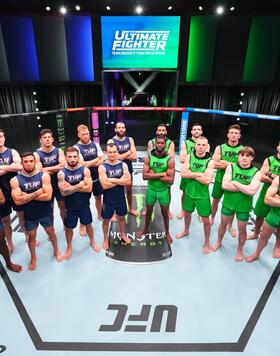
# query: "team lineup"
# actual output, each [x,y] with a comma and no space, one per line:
[30,182]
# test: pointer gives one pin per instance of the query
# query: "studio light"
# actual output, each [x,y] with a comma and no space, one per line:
[200,8]
[220,10]
[63,10]
[77,7]
[108,8]
[48,8]
[169,8]
[139,10]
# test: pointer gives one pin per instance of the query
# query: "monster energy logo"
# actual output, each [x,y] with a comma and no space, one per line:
[151,239]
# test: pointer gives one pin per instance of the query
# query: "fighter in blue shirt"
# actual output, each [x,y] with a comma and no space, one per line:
[32,190]
[75,184]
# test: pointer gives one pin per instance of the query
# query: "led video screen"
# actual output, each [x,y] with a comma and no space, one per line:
[137,42]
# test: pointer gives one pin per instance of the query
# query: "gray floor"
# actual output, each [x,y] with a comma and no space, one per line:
[65,309]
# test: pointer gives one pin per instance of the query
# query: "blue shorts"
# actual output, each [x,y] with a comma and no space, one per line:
[97,188]
[108,209]
[57,195]
[33,224]
[72,216]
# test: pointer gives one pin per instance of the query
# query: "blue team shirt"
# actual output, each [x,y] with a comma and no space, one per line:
[76,201]
[34,210]
[115,194]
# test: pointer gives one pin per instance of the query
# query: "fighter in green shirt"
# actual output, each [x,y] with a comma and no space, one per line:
[168,148]
[187,147]
[272,221]
[241,181]
[198,169]
[159,170]
[270,169]
[169,145]
[225,155]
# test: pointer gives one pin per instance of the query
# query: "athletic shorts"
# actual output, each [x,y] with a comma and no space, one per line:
[57,195]
[71,217]
[108,209]
[273,219]
[162,196]
[244,217]
[33,224]
[217,191]
[202,206]
[7,208]
[97,188]
[183,184]
[261,209]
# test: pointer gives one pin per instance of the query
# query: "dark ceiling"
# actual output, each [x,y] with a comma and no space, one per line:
[151,7]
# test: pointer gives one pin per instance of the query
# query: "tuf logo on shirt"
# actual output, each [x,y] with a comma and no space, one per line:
[5,160]
[242,176]
[197,165]
[74,178]
[275,168]
[158,164]
[231,154]
[50,159]
[115,173]
[32,186]
[89,151]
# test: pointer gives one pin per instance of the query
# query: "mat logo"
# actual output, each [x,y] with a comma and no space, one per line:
[145,316]
[2,348]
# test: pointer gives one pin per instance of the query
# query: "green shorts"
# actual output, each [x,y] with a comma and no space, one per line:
[183,184]
[261,209]
[162,196]
[273,219]
[239,215]
[217,191]
[203,206]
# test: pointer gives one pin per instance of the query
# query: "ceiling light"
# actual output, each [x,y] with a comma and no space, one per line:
[35,101]
[39,125]
[238,119]
[200,8]
[63,10]
[242,94]
[169,8]
[220,10]
[38,117]
[37,109]
[34,93]
[239,110]
[77,7]
[232,8]
[48,8]
[241,102]
[139,9]
[108,8]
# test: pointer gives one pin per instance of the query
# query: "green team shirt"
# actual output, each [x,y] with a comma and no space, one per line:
[197,190]
[158,165]
[190,145]
[274,168]
[239,201]
[167,144]
[229,154]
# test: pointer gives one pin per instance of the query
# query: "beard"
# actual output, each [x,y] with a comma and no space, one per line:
[120,134]
[72,164]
